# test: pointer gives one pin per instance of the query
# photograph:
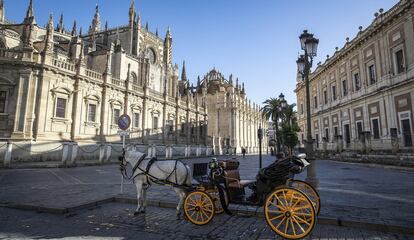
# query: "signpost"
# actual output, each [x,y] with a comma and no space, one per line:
[260,136]
[124,121]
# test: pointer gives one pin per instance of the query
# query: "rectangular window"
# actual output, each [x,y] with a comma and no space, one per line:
[375,128]
[301,108]
[183,128]
[357,82]
[60,108]
[3,101]
[333,93]
[335,132]
[399,61]
[344,88]
[327,134]
[92,113]
[136,120]
[116,114]
[317,140]
[155,122]
[315,101]
[371,74]
[170,126]
[201,129]
[325,96]
[359,129]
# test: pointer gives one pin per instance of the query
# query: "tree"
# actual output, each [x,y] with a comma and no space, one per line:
[272,110]
[289,128]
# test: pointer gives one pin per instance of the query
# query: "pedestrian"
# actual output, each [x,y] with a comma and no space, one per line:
[271,152]
[243,151]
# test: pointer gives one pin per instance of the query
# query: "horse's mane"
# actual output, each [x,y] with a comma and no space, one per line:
[131,155]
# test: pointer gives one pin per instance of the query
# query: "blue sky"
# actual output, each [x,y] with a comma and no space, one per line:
[256,40]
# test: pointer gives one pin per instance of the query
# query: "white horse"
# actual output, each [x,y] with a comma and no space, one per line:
[173,171]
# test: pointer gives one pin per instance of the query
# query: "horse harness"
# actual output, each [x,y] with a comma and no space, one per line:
[151,178]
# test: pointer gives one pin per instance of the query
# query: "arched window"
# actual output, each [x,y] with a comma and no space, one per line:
[134,78]
[151,55]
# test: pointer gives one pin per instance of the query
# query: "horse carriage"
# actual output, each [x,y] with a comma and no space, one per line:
[290,206]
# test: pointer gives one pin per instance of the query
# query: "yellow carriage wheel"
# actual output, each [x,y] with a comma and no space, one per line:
[214,194]
[290,213]
[199,207]
[309,190]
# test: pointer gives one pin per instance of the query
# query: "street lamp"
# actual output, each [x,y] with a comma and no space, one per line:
[309,45]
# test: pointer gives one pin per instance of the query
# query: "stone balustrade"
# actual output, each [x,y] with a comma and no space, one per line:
[94,75]
[63,65]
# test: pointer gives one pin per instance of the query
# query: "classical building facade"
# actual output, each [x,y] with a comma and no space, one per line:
[362,96]
[58,85]
[233,119]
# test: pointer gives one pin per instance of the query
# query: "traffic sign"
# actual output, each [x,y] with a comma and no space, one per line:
[124,121]
[123,133]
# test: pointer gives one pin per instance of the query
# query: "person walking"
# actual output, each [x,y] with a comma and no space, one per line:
[243,151]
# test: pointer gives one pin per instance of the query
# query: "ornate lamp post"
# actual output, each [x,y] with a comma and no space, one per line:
[309,45]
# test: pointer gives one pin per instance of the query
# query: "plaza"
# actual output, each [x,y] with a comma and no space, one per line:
[99,116]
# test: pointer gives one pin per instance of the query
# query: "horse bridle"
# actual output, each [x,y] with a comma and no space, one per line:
[122,165]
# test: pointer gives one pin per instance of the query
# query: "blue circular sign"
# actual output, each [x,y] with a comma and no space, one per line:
[124,121]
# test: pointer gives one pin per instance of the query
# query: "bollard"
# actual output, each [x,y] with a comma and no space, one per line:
[74,153]
[108,152]
[8,154]
[101,153]
[64,153]
[167,152]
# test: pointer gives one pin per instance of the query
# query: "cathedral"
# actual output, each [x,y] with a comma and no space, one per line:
[63,89]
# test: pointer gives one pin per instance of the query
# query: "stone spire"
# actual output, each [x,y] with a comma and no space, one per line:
[118,40]
[61,27]
[237,83]
[132,14]
[29,14]
[96,22]
[183,73]
[80,31]
[49,36]
[231,79]
[156,32]
[168,49]
[2,11]
[146,25]
[106,25]
[73,33]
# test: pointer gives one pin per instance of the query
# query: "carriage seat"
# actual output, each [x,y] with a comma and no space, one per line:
[232,178]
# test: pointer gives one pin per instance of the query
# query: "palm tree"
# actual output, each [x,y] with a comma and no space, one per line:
[272,110]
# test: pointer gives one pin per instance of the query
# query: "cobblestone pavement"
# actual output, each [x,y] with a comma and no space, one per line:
[116,221]
[363,193]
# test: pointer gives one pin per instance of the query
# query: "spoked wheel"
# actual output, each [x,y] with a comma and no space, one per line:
[290,213]
[199,207]
[309,191]
[214,194]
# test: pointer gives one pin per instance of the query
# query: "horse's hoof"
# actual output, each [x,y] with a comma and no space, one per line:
[136,213]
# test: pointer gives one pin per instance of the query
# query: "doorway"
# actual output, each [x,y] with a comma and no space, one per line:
[406,131]
[347,135]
